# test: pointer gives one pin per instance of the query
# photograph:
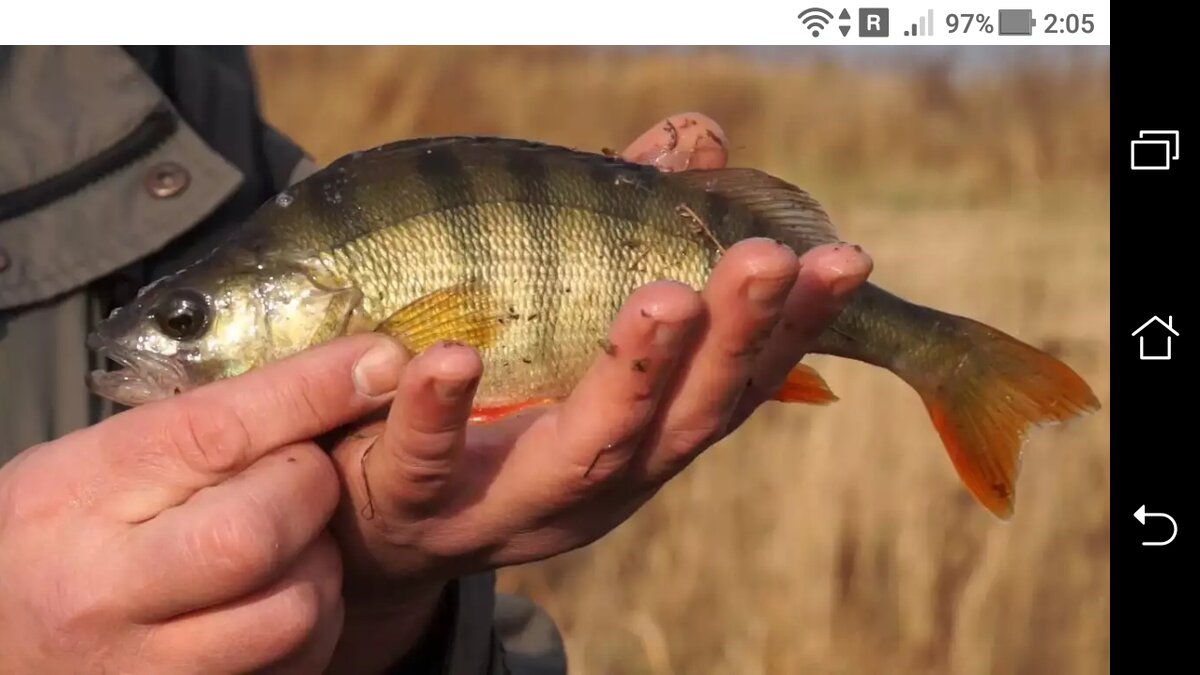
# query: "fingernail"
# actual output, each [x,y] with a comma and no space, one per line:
[666,334]
[378,371]
[843,285]
[450,391]
[767,291]
[847,269]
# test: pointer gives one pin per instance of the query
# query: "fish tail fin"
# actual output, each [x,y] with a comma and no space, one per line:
[984,405]
[804,385]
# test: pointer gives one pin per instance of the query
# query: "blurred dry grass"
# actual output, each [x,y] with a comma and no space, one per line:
[821,540]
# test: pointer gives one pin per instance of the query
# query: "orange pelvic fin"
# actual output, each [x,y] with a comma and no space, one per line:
[492,414]
[984,408]
[805,385]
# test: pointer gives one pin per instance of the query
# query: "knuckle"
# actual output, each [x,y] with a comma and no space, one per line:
[301,398]
[211,441]
[641,391]
[683,442]
[25,499]
[72,613]
[630,424]
[449,548]
[329,571]
[420,470]
[321,484]
[309,596]
[742,348]
[296,614]
[435,430]
[602,468]
[240,546]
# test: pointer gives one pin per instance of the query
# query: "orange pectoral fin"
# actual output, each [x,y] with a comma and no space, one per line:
[466,313]
[492,414]
[804,385]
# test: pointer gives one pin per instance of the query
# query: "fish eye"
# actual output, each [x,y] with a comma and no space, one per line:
[182,315]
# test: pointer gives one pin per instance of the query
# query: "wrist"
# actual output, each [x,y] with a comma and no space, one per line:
[381,632]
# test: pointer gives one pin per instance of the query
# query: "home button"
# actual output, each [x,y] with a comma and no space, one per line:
[1154,339]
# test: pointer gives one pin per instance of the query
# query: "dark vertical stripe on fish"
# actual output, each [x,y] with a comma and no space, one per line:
[530,171]
[618,194]
[443,171]
[532,174]
[619,189]
[716,207]
[447,179]
[644,182]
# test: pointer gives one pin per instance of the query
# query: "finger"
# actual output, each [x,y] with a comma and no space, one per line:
[315,654]
[162,452]
[411,465]
[227,540]
[744,298]
[828,277]
[295,619]
[681,142]
[611,406]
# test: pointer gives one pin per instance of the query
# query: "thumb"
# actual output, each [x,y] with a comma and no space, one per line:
[227,425]
[681,142]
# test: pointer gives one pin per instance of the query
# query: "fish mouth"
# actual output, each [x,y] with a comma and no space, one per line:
[142,377]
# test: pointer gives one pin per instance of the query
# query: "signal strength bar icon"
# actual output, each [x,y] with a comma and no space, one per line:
[924,26]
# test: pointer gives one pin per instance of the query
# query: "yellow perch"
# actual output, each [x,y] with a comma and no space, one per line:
[526,252]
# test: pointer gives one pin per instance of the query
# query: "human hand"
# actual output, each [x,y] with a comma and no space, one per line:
[184,536]
[429,498]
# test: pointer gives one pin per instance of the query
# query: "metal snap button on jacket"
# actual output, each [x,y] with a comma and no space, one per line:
[167,180]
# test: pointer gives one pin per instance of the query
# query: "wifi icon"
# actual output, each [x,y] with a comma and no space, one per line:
[815,19]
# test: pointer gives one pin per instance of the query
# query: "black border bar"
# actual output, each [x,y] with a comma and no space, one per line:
[1153,269]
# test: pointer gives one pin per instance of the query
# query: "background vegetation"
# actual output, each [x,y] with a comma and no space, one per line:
[816,540]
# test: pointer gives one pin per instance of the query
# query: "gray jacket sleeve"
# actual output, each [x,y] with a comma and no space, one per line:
[119,165]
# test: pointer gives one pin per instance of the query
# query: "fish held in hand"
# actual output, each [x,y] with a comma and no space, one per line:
[526,252]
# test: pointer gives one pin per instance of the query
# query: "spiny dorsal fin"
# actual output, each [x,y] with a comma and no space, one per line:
[468,146]
[790,213]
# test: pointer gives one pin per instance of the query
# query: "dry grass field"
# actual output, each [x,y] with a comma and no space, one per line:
[822,540]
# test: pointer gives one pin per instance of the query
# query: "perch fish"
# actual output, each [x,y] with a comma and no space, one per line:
[526,251]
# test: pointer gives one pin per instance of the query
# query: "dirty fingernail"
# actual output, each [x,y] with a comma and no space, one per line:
[768,291]
[843,285]
[377,372]
[666,334]
[450,391]
[847,270]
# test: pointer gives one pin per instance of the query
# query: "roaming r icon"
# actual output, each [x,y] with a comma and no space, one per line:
[1154,154]
[873,22]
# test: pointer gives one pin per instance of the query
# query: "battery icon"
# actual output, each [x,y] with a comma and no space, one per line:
[1016,22]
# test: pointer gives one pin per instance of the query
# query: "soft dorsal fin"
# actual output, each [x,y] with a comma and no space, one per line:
[790,213]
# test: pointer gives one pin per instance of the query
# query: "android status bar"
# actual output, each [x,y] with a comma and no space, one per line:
[960,23]
[547,22]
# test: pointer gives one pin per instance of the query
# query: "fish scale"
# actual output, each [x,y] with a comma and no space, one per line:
[526,252]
